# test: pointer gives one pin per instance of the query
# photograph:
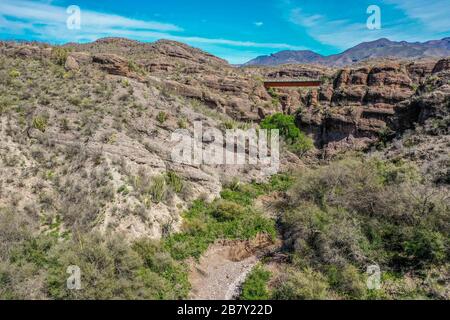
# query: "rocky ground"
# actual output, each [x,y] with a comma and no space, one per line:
[217,276]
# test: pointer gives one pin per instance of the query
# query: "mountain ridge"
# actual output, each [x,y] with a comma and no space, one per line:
[381,48]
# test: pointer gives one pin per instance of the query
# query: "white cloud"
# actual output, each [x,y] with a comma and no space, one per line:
[433,14]
[42,13]
[338,33]
[258,23]
[344,33]
[48,22]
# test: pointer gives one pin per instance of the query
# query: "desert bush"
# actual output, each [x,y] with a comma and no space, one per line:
[224,210]
[322,237]
[182,123]
[157,188]
[14,73]
[426,246]
[255,286]
[110,269]
[59,55]
[21,282]
[275,96]
[359,185]
[6,102]
[302,145]
[14,229]
[40,123]
[354,212]
[174,181]
[134,67]
[161,117]
[347,281]
[306,284]
[160,262]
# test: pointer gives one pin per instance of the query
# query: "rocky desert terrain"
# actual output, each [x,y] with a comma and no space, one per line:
[87,178]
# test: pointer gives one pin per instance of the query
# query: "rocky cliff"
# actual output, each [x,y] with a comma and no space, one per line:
[85,128]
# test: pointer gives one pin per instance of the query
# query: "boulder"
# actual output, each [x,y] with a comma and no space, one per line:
[71,64]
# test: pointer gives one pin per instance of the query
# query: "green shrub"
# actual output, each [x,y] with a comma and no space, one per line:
[275,96]
[123,190]
[323,237]
[160,262]
[75,100]
[161,117]
[255,286]
[353,212]
[224,210]
[228,125]
[426,246]
[134,67]
[14,73]
[297,141]
[112,269]
[6,103]
[347,281]
[40,123]
[33,250]
[301,285]
[182,123]
[241,194]
[174,181]
[59,55]
[284,123]
[302,145]
[158,188]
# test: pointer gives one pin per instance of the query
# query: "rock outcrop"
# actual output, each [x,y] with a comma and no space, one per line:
[356,106]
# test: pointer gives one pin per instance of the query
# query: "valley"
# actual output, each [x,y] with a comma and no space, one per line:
[87,177]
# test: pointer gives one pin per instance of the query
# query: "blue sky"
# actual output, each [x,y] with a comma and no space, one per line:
[234,30]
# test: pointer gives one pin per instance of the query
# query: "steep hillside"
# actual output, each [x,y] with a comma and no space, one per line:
[86,134]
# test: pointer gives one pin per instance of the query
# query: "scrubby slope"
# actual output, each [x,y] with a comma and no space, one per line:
[86,176]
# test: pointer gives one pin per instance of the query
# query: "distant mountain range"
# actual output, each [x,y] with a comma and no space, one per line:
[382,48]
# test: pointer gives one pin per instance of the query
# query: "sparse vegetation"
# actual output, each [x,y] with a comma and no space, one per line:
[161,117]
[157,188]
[59,55]
[174,181]
[354,213]
[275,96]
[88,150]
[205,223]
[40,123]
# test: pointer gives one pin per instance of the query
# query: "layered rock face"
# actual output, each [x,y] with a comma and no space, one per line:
[356,106]
[187,72]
